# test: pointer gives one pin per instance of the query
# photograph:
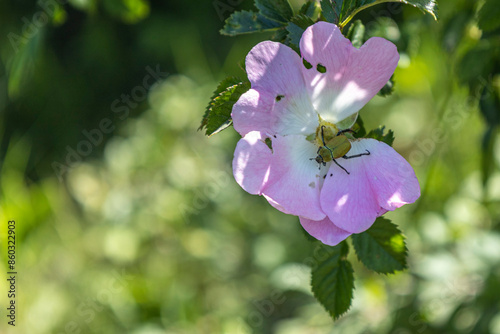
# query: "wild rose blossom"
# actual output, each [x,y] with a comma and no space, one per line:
[281,117]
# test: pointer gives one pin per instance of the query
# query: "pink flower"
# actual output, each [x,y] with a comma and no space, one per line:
[289,103]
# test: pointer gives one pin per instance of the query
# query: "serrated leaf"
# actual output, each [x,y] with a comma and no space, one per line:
[272,15]
[359,128]
[218,114]
[280,35]
[246,22]
[277,10]
[296,28]
[388,88]
[379,135]
[488,16]
[332,281]
[342,11]
[382,247]
[356,34]
[332,10]
[223,85]
[310,9]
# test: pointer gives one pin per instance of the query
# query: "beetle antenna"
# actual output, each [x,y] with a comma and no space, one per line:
[323,136]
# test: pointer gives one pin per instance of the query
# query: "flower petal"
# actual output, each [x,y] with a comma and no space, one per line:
[252,112]
[275,68]
[347,199]
[392,178]
[251,163]
[293,185]
[278,102]
[324,230]
[353,76]
[377,183]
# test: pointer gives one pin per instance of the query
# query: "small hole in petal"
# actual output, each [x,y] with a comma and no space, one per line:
[321,68]
[279,97]
[269,143]
[306,64]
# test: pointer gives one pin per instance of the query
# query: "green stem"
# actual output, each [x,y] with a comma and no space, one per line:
[349,18]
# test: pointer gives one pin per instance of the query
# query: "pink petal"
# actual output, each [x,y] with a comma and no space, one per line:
[276,205]
[275,68]
[348,200]
[377,183]
[392,178]
[251,163]
[278,102]
[252,112]
[353,76]
[324,230]
[293,185]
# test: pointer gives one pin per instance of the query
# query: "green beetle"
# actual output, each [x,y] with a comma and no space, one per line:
[334,146]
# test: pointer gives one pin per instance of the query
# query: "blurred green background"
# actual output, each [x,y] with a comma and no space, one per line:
[145,231]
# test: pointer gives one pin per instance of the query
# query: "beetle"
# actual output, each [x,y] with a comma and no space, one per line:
[335,146]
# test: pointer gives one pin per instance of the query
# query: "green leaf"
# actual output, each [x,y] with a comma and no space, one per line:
[359,128]
[456,28]
[129,11]
[489,104]
[332,10]
[246,22]
[477,64]
[218,113]
[332,281]
[342,11]
[356,34]
[487,154]
[23,63]
[223,85]
[310,9]
[272,15]
[277,10]
[388,88]
[348,123]
[280,35]
[296,28]
[379,135]
[382,247]
[488,16]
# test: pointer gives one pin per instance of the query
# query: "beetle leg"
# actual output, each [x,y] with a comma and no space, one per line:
[346,130]
[345,170]
[356,155]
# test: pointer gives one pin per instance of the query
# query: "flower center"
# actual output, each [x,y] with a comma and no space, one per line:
[332,144]
[325,132]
